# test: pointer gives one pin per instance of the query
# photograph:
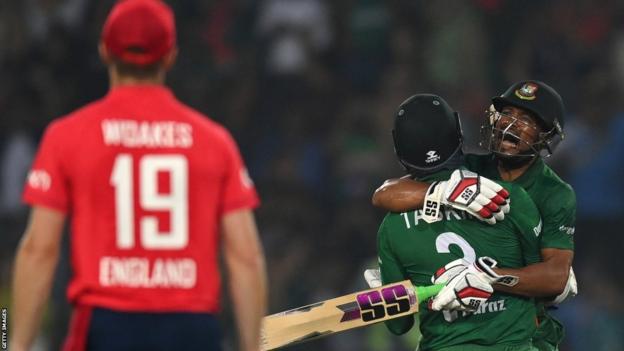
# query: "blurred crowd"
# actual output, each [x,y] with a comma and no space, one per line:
[308,89]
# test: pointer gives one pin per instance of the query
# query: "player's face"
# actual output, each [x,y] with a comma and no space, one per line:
[516,129]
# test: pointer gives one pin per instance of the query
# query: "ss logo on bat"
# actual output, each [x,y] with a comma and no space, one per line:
[391,301]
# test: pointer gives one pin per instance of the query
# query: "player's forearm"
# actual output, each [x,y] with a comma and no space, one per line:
[533,281]
[543,279]
[247,273]
[248,290]
[399,195]
[32,281]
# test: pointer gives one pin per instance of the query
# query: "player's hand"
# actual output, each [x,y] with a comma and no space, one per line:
[467,191]
[483,266]
[466,287]
[570,290]
[373,278]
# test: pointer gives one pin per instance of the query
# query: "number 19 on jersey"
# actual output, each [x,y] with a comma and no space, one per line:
[175,202]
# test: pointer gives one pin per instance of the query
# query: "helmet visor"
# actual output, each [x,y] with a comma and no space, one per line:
[509,136]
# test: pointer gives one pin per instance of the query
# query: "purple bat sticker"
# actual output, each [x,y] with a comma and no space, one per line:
[376,304]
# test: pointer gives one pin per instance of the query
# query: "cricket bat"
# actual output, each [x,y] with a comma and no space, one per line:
[343,313]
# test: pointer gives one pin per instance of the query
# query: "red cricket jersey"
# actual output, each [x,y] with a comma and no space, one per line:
[145,180]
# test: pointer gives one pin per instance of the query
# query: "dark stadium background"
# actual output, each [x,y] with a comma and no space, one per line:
[308,88]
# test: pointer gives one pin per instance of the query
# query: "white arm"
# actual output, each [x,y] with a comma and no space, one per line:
[35,262]
[244,259]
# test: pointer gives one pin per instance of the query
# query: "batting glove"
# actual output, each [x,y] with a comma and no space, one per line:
[467,191]
[373,278]
[467,285]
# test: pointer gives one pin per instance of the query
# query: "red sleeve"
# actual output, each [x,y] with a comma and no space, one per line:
[47,183]
[239,191]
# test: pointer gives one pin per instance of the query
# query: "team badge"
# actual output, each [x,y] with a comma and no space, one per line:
[527,91]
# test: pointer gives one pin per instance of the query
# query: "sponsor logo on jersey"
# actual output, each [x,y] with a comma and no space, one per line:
[140,272]
[537,230]
[432,156]
[567,230]
[527,91]
[39,179]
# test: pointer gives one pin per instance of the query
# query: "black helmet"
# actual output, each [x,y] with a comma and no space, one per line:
[537,98]
[427,134]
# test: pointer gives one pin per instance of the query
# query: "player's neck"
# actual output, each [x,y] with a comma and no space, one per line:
[118,80]
[509,175]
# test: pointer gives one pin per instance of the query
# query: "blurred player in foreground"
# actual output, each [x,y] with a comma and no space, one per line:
[414,247]
[153,189]
[523,124]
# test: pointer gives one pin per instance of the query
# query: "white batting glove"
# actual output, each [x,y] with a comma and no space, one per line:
[466,291]
[373,278]
[570,290]
[467,191]
[467,285]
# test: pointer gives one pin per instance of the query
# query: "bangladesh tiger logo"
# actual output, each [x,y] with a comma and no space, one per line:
[527,91]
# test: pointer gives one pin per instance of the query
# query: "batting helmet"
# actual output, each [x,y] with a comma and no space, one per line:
[539,99]
[427,134]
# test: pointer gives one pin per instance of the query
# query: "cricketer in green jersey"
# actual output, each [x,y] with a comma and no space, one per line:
[523,101]
[556,203]
[412,246]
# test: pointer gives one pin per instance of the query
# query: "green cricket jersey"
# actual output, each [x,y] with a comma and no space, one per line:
[411,248]
[554,198]
[556,203]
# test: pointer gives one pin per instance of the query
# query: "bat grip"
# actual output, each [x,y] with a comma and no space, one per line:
[425,292]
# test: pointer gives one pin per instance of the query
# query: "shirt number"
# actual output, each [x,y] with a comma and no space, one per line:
[444,241]
[175,202]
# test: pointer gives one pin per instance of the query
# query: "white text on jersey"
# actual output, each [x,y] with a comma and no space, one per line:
[137,272]
[491,306]
[447,214]
[131,133]
[486,307]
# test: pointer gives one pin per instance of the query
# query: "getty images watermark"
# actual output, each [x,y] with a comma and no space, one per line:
[4,329]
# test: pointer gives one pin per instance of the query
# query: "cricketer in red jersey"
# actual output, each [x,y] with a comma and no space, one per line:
[153,189]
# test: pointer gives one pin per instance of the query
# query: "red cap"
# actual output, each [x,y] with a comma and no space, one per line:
[139,32]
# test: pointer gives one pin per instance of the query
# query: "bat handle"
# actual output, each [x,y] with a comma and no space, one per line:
[425,292]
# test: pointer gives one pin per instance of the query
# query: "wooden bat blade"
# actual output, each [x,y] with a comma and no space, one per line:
[343,313]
